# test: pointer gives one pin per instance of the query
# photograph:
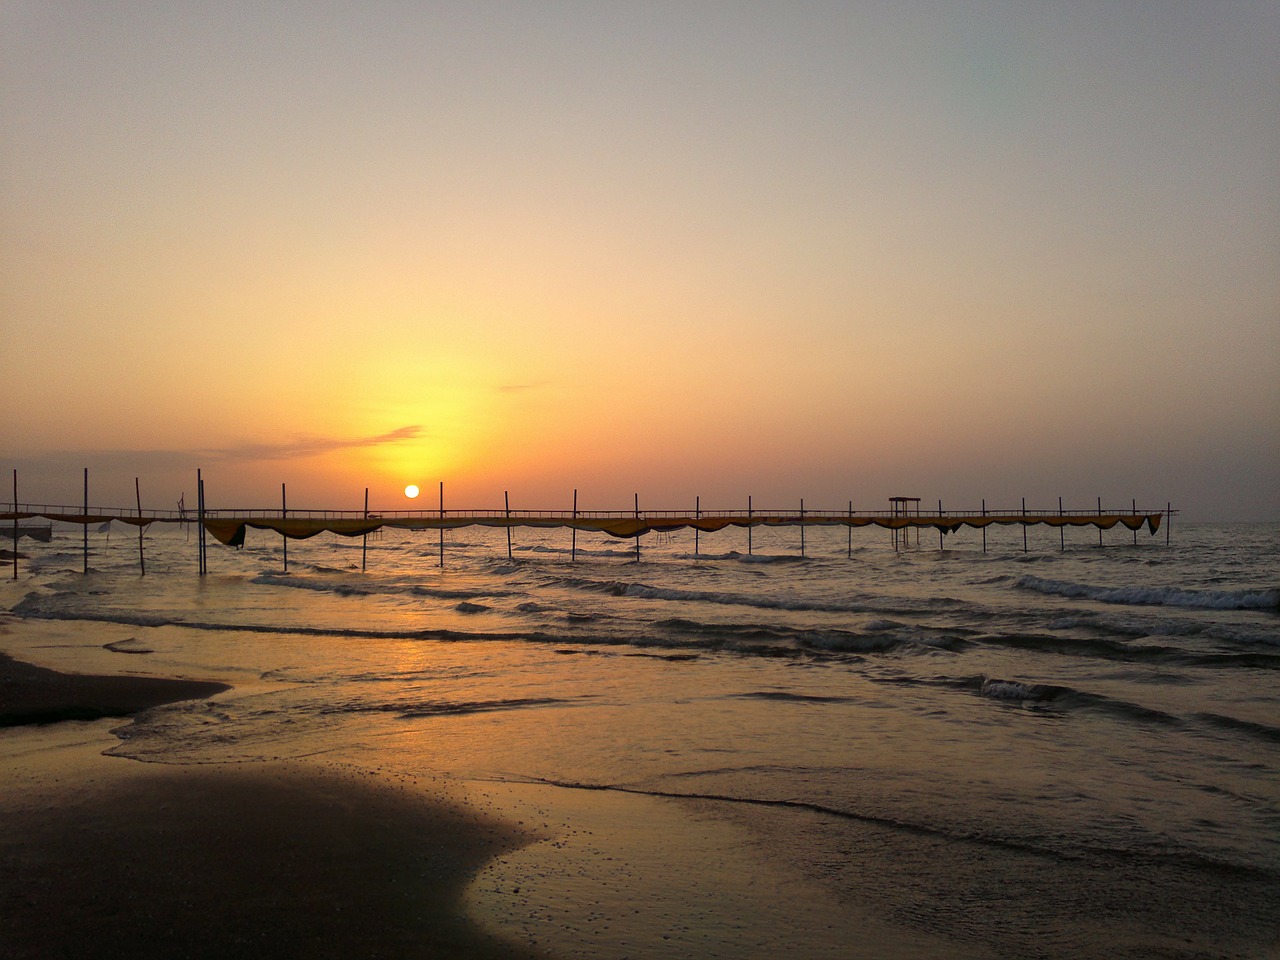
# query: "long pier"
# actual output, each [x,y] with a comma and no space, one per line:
[229,526]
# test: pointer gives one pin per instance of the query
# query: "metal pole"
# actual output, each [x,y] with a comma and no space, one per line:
[849,550]
[697,515]
[940,531]
[200,547]
[364,540]
[984,526]
[284,513]
[15,523]
[1099,524]
[506,499]
[442,525]
[573,549]
[1135,529]
[142,560]
[637,531]
[1024,524]
[749,550]
[1062,530]
[86,520]
[802,526]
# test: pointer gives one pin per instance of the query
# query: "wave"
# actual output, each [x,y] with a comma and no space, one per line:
[424,709]
[645,591]
[1047,848]
[1258,599]
[1262,731]
[345,588]
[1055,696]
[1121,651]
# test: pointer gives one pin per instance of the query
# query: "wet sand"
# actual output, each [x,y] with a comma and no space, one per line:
[105,857]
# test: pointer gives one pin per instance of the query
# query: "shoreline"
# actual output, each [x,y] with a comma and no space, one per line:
[105,857]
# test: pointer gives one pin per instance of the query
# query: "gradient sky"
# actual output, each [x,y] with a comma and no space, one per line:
[838,251]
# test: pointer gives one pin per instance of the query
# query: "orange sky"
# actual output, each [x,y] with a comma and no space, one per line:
[677,250]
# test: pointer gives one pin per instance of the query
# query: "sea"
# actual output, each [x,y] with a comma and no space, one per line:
[1063,747]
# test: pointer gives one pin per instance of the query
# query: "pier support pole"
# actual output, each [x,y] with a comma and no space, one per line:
[15,523]
[1099,525]
[637,532]
[284,515]
[200,545]
[940,530]
[442,525]
[86,519]
[1024,524]
[573,547]
[1062,530]
[848,553]
[1168,514]
[1135,530]
[749,547]
[364,540]
[506,501]
[984,526]
[697,515]
[137,492]
[802,526]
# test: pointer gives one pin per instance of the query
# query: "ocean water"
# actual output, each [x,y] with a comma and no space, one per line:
[1049,753]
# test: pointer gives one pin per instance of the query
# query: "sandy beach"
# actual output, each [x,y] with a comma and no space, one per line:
[107,857]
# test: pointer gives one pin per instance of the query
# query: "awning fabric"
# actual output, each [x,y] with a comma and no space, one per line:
[231,530]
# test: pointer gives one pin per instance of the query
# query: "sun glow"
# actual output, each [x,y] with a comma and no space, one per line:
[411,491]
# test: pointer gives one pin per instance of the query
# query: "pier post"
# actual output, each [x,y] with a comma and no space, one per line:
[200,545]
[364,540]
[284,513]
[137,491]
[697,515]
[506,500]
[1062,530]
[1099,525]
[637,532]
[573,547]
[848,554]
[1024,524]
[1168,515]
[750,551]
[86,519]
[1135,531]
[984,527]
[15,523]
[940,531]
[442,525]
[802,526]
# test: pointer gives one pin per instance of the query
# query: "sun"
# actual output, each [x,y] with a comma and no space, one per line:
[411,491]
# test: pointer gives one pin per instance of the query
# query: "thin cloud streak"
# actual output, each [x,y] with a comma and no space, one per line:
[296,448]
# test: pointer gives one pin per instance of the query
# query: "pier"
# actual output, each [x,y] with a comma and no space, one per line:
[229,526]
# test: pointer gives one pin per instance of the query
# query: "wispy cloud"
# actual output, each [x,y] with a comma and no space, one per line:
[295,448]
[310,446]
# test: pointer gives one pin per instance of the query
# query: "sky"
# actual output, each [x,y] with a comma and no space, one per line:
[831,251]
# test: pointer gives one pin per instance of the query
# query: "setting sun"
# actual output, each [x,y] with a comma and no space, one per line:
[411,491]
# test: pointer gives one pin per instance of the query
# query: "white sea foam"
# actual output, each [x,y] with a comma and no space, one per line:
[1006,690]
[1266,599]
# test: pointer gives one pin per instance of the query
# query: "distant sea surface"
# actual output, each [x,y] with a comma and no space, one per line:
[1051,753]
